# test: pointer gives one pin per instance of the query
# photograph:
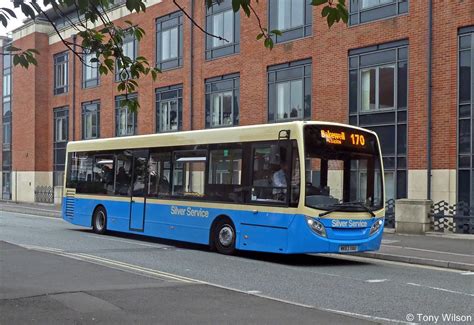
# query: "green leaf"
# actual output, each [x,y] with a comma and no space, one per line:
[259,36]
[12,49]
[276,32]
[268,43]
[235,5]
[9,11]
[4,21]
[27,10]
[16,59]
[326,10]
[318,2]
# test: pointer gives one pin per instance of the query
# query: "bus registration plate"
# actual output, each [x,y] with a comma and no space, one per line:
[348,249]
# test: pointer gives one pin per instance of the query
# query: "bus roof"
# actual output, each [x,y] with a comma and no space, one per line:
[259,132]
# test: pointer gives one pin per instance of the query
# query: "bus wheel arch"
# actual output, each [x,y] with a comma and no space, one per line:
[99,219]
[222,237]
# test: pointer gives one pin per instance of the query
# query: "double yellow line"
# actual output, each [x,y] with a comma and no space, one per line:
[115,264]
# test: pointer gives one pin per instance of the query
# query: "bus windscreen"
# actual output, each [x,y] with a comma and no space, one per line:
[342,168]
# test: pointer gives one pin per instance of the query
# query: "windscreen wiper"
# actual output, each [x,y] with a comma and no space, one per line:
[336,207]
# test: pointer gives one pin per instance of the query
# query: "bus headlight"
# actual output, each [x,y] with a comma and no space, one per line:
[376,226]
[316,226]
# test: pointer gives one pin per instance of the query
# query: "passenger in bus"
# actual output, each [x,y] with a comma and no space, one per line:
[123,181]
[279,181]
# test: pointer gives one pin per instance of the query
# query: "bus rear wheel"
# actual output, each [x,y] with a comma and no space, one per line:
[224,237]
[99,221]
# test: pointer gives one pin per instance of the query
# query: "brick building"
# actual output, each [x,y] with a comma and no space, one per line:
[375,73]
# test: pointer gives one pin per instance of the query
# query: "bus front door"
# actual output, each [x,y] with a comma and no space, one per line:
[138,196]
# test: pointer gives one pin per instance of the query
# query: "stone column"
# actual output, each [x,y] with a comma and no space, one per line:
[412,216]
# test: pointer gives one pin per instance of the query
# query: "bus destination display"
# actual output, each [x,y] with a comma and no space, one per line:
[344,137]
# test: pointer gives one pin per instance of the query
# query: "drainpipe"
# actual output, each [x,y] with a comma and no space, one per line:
[74,38]
[191,72]
[430,99]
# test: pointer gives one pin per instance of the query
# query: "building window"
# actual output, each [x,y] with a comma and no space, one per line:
[125,119]
[169,44]
[292,17]
[466,116]
[61,73]
[222,21]
[222,101]
[130,49]
[289,91]
[61,125]
[378,89]
[90,71]
[362,11]
[6,148]
[169,108]
[91,120]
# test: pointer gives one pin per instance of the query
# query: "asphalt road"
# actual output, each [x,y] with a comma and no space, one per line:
[364,288]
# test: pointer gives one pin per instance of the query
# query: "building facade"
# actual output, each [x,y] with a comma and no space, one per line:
[400,67]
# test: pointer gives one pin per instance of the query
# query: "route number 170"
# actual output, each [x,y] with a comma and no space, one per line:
[358,139]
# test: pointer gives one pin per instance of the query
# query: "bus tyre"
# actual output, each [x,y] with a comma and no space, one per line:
[224,237]
[99,221]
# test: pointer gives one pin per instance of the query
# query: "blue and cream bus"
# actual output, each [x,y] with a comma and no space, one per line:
[296,187]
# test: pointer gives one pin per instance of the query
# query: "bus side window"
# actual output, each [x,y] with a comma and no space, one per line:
[159,171]
[188,173]
[103,172]
[123,172]
[225,175]
[295,177]
[81,172]
[270,174]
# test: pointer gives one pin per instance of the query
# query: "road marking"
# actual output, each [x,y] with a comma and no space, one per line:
[441,289]
[33,216]
[468,273]
[41,248]
[373,318]
[133,267]
[146,271]
[380,261]
[376,280]
[389,241]
[428,250]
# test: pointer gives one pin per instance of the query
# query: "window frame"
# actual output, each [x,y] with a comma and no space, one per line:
[59,113]
[128,38]
[92,82]
[273,75]
[212,86]
[57,63]
[231,48]
[118,108]
[84,106]
[397,54]
[159,92]
[377,87]
[380,11]
[462,170]
[171,63]
[293,33]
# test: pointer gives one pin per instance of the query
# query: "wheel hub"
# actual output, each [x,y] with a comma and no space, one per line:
[226,235]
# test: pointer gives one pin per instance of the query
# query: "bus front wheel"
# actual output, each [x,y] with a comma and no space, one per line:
[224,237]
[99,221]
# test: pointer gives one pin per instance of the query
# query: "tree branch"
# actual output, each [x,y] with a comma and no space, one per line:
[182,9]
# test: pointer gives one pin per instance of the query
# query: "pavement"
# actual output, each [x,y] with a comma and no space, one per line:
[446,250]
[59,290]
